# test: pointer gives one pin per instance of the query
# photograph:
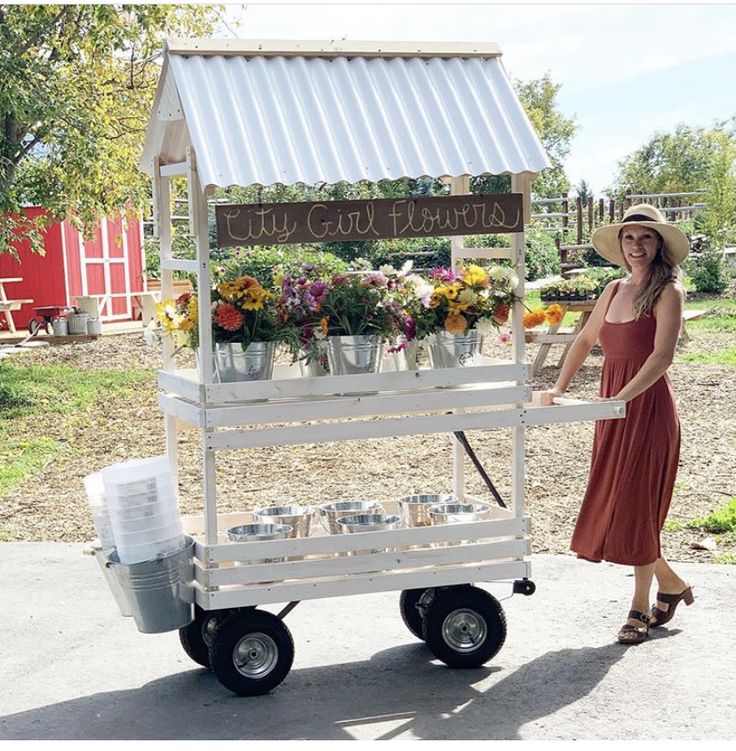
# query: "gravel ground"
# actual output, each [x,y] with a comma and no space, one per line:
[51,505]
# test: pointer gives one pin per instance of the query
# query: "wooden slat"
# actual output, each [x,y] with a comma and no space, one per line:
[436,576]
[460,553]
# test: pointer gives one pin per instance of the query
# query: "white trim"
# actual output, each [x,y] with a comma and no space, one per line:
[329,48]
[126,266]
[83,264]
[62,227]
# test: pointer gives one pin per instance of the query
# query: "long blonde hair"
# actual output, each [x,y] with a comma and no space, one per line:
[663,271]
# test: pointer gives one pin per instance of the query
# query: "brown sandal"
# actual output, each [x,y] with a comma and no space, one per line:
[635,634]
[660,617]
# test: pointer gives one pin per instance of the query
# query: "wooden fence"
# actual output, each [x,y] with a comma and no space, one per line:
[573,219]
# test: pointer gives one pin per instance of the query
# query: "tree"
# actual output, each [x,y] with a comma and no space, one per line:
[76,86]
[582,189]
[669,162]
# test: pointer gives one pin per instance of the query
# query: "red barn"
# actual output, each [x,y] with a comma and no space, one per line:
[108,266]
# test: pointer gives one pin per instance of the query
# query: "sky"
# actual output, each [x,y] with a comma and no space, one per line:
[627,71]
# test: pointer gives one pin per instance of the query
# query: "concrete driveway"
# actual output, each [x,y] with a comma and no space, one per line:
[73,668]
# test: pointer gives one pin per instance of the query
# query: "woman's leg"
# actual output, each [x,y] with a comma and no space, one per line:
[642,585]
[668,582]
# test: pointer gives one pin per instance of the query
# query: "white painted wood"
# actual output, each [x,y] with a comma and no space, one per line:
[209,483]
[186,411]
[175,383]
[575,411]
[329,385]
[503,525]
[486,253]
[543,337]
[462,553]
[178,169]
[330,48]
[179,264]
[345,431]
[328,408]
[434,576]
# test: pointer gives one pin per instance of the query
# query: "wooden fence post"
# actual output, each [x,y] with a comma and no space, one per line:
[590,215]
[579,219]
[612,211]
[565,212]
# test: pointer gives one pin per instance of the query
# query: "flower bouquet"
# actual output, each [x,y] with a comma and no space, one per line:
[178,319]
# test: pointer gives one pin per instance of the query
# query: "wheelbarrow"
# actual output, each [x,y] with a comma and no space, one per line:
[44,317]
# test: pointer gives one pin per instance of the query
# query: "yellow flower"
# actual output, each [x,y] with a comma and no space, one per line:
[553,314]
[193,310]
[475,276]
[456,324]
[533,318]
[323,324]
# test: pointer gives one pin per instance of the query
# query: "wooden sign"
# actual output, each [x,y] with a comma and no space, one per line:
[337,221]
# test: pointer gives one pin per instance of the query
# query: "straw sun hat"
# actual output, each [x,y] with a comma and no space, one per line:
[606,240]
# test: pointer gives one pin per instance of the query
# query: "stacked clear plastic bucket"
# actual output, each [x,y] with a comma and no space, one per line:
[148,554]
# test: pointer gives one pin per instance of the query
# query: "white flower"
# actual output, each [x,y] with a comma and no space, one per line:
[467,297]
[387,269]
[406,268]
[362,264]
[497,273]
[484,326]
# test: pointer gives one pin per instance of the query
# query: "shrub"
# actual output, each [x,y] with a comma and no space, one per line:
[262,262]
[708,271]
[542,256]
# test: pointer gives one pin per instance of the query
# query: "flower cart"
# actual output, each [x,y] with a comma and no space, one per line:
[231,112]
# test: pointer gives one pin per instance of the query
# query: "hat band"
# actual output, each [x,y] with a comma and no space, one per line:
[639,218]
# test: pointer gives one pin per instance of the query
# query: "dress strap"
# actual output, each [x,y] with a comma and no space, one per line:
[615,290]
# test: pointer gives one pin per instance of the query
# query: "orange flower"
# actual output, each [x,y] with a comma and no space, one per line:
[501,314]
[456,324]
[228,317]
[324,326]
[553,314]
[533,318]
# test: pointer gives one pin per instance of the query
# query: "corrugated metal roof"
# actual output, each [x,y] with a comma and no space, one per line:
[279,119]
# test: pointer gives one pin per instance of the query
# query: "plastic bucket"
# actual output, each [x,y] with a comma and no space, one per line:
[95,489]
[118,593]
[159,591]
[131,553]
[78,323]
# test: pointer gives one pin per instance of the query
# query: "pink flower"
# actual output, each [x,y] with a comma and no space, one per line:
[504,338]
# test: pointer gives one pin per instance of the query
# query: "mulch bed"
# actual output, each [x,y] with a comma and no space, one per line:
[51,505]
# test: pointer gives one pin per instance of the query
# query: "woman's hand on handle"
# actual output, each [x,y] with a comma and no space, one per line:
[547,397]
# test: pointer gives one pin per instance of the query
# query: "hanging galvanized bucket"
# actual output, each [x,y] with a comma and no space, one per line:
[252,363]
[455,350]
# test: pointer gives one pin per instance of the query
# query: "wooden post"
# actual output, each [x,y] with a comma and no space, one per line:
[601,210]
[579,219]
[565,212]
[612,210]
[591,214]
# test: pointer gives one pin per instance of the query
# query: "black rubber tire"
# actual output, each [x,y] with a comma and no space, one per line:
[33,326]
[464,627]
[196,636]
[410,614]
[263,630]
[49,328]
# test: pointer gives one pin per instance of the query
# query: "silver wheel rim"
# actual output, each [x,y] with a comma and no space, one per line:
[255,655]
[464,630]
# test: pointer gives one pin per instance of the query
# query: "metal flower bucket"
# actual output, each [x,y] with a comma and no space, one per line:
[158,591]
[316,367]
[367,523]
[348,355]
[299,518]
[101,554]
[331,512]
[454,350]
[458,513]
[414,509]
[252,532]
[254,363]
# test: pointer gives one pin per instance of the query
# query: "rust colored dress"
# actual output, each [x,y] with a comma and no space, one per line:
[634,462]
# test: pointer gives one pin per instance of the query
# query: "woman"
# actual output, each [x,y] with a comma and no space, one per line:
[637,321]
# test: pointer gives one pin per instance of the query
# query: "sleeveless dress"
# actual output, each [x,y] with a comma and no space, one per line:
[634,461]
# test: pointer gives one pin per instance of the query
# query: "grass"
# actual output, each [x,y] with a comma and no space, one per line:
[720,521]
[720,357]
[34,396]
[720,313]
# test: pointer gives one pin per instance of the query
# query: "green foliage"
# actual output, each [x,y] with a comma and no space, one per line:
[266,262]
[587,285]
[555,131]
[77,86]
[542,256]
[719,521]
[725,357]
[182,246]
[708,270]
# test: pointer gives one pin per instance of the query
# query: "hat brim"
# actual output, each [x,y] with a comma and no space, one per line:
[606,243]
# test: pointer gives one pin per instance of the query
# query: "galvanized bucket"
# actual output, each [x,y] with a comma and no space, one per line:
[254,363]
[331,512]
[367,523]
[414,509]
[299,518]
[458,513]
[121,599]
[454,350]
[252,532]
[158,591]
[349,355]
[77,323]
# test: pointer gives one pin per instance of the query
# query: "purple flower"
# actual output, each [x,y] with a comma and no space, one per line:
[410,328]
[373,279]
[443,275]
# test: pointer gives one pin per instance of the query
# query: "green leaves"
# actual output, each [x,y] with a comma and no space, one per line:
[76,86]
